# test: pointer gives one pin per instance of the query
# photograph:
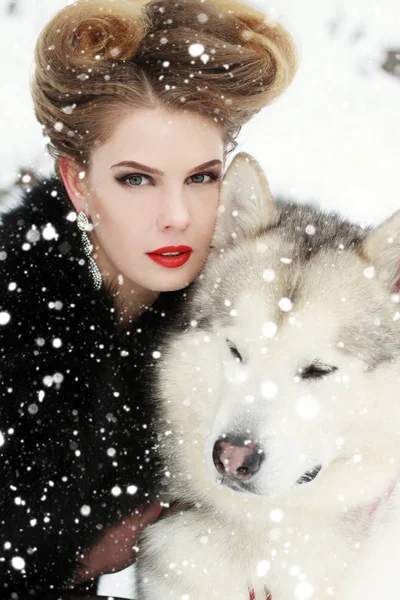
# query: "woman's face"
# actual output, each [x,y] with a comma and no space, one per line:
[166,202]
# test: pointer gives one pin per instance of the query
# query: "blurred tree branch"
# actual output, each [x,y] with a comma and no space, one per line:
[12,7]
[392,62]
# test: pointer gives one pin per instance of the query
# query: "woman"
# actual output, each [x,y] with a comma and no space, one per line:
[141,103]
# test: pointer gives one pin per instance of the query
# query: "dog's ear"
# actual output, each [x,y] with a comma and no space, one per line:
[382,247]
[246,205]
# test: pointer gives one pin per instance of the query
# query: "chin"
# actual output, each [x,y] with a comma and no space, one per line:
[170,282]
[168,285]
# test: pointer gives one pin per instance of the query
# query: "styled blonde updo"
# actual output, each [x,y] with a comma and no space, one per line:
[222,59]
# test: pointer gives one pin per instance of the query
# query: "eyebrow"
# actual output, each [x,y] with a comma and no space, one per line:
[136,165]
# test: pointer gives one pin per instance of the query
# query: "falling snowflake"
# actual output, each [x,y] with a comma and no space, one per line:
[48,380]
[33,235]
[269,329]
[68,109]
[303,590]
[269,389]
[196,49]
[4,318]
[262,568]
[18,563]
[369,272]
[285,304]
[49,233]
[276,515]
[310,230]
[202,18]
[268,275]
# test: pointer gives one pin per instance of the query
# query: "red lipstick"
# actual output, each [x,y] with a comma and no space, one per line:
[171,256]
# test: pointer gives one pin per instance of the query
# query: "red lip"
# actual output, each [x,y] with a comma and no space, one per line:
[171,249]
[171,262]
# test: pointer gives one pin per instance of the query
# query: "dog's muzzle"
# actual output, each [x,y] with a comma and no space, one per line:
[237,458]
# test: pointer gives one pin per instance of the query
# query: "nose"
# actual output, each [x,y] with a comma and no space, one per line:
[237,456]
[174,215]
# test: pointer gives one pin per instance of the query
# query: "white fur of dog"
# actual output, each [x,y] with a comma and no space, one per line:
[292,345]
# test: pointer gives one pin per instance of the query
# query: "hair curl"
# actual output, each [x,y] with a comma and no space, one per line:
[98,57]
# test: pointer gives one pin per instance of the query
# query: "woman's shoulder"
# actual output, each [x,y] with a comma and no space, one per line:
[42,213]
[44,277]
[40,243]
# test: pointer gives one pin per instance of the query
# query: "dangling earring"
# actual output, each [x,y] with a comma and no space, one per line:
[84,225]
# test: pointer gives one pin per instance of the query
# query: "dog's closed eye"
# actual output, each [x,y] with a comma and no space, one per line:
[234,351]
[316,370]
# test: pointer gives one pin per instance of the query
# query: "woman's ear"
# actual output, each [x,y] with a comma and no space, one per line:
[73,182]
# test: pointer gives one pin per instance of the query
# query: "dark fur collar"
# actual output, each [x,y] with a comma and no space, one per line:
[75,413]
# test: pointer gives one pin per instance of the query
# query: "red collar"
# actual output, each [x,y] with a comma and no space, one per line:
[384,498]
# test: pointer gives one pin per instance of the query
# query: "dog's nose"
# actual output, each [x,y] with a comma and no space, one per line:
[237,456]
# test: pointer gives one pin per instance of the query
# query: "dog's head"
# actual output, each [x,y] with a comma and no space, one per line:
[285,382]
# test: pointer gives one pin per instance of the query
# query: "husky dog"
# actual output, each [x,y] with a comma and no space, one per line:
[280,410]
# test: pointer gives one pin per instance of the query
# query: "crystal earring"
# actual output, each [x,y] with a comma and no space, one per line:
[84,226]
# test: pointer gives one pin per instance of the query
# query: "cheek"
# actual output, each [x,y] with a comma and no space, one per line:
[205,217]
[116,215]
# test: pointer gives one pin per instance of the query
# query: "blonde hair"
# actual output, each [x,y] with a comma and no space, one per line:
[222,59]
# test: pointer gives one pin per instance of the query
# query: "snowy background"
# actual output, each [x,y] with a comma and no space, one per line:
[333,138]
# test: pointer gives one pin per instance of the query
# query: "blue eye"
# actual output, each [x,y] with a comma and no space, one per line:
[136,177]
[212,177]
[200,175]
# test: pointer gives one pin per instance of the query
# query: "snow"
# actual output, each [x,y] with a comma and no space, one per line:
[18,563]
[276,515]
[285,304]
[333,138]
[85,510]
[268,389]
[116,490]
[4,317]
[263,568]
[269,275]
[304,590]
[196,49]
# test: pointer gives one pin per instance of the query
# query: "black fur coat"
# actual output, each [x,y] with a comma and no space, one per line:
[75,416]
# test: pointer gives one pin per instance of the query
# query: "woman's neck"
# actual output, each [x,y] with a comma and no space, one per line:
[130,299]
